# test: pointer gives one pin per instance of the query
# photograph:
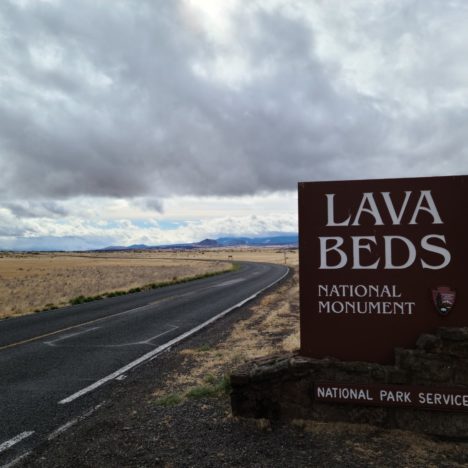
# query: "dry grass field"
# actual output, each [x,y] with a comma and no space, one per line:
[33,282]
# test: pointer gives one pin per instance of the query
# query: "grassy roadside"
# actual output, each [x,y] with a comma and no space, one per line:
[273,327]
[212,386]
[148,287]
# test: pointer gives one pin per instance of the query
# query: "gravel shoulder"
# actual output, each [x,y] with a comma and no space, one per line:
[175,411]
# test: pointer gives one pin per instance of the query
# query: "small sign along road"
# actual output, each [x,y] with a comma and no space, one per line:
[52,363]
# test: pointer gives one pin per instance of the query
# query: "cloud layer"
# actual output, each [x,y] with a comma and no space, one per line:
[152,99]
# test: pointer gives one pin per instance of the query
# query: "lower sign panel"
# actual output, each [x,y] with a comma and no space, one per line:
[430,398]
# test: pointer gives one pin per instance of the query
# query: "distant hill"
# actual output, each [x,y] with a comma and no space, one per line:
[259,241]
[286,240]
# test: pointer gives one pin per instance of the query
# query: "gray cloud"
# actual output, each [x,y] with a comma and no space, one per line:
[152,204]
[26,209]
[125,101]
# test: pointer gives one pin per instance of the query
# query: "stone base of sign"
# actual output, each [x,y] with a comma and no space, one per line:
[281,386]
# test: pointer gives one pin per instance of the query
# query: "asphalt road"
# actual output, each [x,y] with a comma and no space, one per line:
[58,365]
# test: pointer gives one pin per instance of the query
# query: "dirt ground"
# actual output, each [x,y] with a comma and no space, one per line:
[175,411]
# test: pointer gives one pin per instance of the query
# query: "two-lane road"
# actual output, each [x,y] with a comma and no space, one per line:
[53,363]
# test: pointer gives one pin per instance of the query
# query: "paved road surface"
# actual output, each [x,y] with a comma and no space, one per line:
[56,366]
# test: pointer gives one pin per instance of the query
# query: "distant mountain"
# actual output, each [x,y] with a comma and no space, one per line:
[130,247]
[259,241]
[207,243]
[285,240]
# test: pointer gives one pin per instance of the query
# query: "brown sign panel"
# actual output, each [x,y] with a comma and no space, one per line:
[381,262]
[439,398]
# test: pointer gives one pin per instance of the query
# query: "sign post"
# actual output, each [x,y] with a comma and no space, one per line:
[381,262]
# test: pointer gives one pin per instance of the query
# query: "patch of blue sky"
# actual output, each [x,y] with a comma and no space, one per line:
[108,224]
[163,224]
[62,221]
[167,224]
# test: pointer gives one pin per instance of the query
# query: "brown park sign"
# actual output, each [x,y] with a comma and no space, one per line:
[381,262]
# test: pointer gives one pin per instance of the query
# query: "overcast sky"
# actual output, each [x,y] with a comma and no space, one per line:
[133,121]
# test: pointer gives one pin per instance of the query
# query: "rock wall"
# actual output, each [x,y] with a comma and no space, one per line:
[281,386]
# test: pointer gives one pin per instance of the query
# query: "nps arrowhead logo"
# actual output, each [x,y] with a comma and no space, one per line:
[444,299]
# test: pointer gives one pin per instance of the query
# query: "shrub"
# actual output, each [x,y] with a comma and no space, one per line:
[169,400]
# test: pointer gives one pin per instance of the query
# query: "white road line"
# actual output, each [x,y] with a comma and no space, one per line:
[155,352]
[9,443]
[29,340]
[228,283]
[72,422]
[173,327]
[70,335]
[137,343]
[17,460]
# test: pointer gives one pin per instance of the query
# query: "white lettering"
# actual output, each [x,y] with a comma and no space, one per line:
[450,399]
[368,205]
[371,209]
[394,292]
[360,290]
[436,249]
[322,288]
[331,212]
[357,247]
[388,253]
[324,249]
[430,208]
[362,307]
[324,305]
[337,307]
[334,256]
[396,218]
[387,308]
[385,291]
